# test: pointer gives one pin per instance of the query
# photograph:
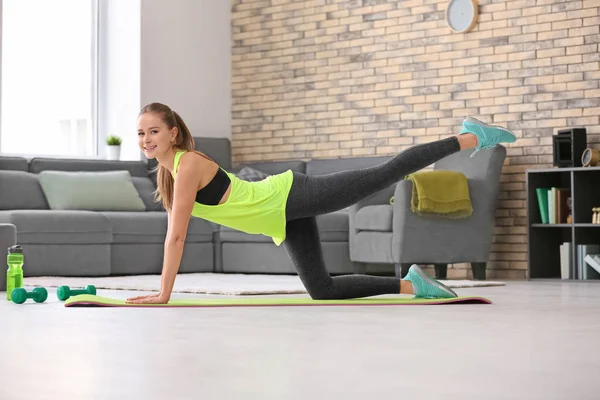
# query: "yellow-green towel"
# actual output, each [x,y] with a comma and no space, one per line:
[440,192]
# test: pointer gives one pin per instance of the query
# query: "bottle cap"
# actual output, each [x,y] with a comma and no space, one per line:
[15,249]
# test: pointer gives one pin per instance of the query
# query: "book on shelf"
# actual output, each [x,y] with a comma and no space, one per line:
[584,271]
[588,262]
[593,265]
[553,204]
[565,261]
[542,196]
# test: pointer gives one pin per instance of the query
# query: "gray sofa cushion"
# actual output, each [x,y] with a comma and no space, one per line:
[91,190]
[137,227]
[59,226]
[227,234]
[200,230]
[327,166]
[151,227]
[14,163]
[250,174]
[374,218]
[373,247]
[333,227]
[21,190]
[39,164]
[146,189]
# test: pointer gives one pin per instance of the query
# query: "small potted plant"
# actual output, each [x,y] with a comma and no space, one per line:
[113,147]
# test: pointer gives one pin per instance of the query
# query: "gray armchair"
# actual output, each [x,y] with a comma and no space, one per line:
[381,232]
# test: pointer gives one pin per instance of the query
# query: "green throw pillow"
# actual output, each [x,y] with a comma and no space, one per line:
[91,190]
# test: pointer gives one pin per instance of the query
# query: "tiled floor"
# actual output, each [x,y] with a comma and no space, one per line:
[538,340]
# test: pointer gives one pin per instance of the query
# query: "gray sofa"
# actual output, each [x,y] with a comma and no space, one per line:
[91,243]
[101,243]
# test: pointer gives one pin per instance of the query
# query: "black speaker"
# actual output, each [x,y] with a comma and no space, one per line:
[568,146]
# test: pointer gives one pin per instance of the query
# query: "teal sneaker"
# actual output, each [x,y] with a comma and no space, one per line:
[425,287]
[488,136]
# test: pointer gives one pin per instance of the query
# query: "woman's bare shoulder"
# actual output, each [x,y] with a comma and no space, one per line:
[197,164]
[193,159]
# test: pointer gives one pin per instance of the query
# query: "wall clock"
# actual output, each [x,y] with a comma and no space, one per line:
[461,15]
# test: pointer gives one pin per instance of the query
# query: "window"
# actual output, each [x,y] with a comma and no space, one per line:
[48,77]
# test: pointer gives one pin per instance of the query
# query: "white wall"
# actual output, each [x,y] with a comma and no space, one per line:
[119,74]
[177,53]
[186,61]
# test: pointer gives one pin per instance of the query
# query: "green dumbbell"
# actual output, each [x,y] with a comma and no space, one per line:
[20,295]
[64,292]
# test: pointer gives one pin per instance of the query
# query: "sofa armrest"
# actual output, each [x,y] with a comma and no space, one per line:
[8,237]
[381,197]
[435,239]
[6,217]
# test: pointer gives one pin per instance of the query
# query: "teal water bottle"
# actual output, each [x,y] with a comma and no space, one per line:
[14,274]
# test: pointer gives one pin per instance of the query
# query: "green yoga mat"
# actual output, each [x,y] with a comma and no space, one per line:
[88,300]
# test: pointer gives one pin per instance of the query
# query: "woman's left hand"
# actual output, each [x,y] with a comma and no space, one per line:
[149,299]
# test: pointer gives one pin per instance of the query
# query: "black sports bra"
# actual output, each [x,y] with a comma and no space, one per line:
[212,193]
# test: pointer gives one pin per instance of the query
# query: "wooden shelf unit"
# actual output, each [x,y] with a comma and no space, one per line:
[544,240]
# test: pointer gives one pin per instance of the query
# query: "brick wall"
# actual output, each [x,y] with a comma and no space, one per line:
[328,79]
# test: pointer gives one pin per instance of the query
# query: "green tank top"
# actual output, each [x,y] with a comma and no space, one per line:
[252,207]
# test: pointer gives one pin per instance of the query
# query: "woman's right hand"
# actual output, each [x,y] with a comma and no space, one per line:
[147,297]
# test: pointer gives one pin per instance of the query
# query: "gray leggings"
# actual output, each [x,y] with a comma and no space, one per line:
[313,195]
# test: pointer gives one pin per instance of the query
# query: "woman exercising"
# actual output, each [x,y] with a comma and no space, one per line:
[284,206]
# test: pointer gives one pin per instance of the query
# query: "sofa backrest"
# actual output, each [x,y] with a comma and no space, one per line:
[135,168]
[484,170]
[13,163]
[146,188]
[21,190]
[330,165]
[274,167]
[219,149]
[485,165]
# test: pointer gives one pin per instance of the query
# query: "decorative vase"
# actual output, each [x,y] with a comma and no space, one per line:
[113,152]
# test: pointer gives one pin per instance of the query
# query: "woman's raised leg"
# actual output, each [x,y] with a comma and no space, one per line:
[313,195]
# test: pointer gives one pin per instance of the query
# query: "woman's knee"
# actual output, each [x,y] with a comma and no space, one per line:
[320,292]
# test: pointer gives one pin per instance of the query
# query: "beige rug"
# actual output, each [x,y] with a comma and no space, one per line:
[208,283]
